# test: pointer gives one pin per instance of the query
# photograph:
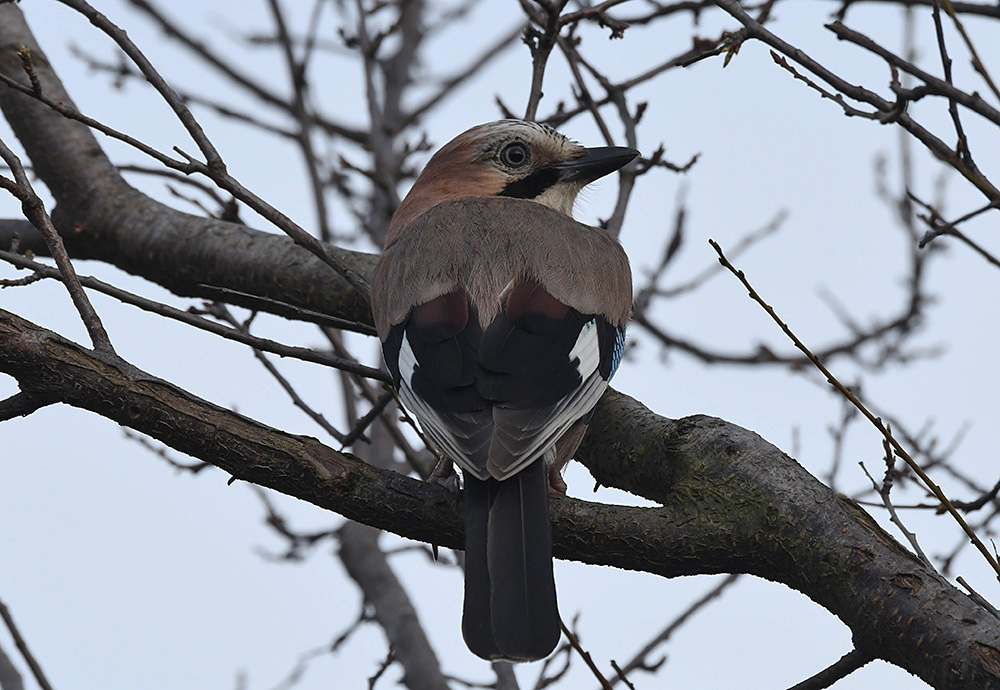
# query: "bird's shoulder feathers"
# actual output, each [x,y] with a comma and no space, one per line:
[484,245]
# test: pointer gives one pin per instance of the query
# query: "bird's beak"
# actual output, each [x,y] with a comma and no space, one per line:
[595,163]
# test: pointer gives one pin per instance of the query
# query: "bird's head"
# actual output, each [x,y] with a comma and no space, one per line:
[511,158]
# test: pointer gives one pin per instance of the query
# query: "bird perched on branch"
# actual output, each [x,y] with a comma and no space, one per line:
[502,320]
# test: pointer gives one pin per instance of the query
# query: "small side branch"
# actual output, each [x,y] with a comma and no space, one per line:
[585,655]
[34,211]
[22,404]
[641,662]
[304,353]
[876,421]
[845,666]
[22,646]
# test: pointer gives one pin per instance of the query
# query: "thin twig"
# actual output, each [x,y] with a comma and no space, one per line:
[280,349]
[978,598]
[169,95]
[299,85]
[449,85]
[585,655]
[891,111]
[883,492]
[946,228]
[843,667]
[161,452]
[34,211]
[939,86]
[358,431]
[540,43]
[253,84]
[963,142]
[383,667]
[876,421]
[22,646]
[214,167]
[219,311]
[291,311]
[639,660]
[977,63]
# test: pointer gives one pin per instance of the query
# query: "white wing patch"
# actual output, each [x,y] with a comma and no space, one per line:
[517,437]
[407,362]
[587,350]
[526,439]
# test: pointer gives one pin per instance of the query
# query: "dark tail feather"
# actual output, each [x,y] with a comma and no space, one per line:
[477,627]
[525,619]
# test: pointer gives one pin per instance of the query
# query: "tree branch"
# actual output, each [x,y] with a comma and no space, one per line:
[843,667]
[22,646]
[186,254]
[731,502]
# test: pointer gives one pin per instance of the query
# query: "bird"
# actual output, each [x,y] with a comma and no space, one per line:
[501,320]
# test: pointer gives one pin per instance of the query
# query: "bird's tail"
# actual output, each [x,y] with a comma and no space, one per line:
[510,593]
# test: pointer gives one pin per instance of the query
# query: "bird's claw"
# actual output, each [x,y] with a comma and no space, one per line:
[557,484]
[444,474]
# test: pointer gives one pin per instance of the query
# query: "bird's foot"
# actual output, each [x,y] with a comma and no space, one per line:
[557,484]
[444,474]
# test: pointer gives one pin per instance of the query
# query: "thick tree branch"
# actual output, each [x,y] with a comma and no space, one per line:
[731,502]
[10,679]
[367,565]
[101,217]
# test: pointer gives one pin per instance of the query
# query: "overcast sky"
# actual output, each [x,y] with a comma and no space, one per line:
[124,573]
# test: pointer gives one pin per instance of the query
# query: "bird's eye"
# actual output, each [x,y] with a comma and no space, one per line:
[514,155]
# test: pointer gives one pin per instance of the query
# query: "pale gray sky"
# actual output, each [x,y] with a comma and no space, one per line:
[123,573]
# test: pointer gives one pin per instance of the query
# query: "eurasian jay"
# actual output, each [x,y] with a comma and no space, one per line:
[502,320]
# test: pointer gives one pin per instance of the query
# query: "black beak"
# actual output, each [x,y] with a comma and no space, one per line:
[596,163]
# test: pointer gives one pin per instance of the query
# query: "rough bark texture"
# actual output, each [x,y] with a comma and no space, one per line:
[739,504]
[731,502]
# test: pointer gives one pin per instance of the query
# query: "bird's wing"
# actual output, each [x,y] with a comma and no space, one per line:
[432,358]
[543,366]
[496,375]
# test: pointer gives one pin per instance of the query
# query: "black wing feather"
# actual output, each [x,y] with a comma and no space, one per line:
[525,363]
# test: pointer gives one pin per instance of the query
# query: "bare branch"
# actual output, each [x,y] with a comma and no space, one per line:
[34,211]
[249,83]
[876,422]
[22,646]
[640,660]
[10,679]
[22,404]
[940,86]
[191,319]
[845,666]
[734,481]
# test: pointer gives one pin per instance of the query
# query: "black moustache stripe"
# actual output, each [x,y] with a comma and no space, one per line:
[531,186]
